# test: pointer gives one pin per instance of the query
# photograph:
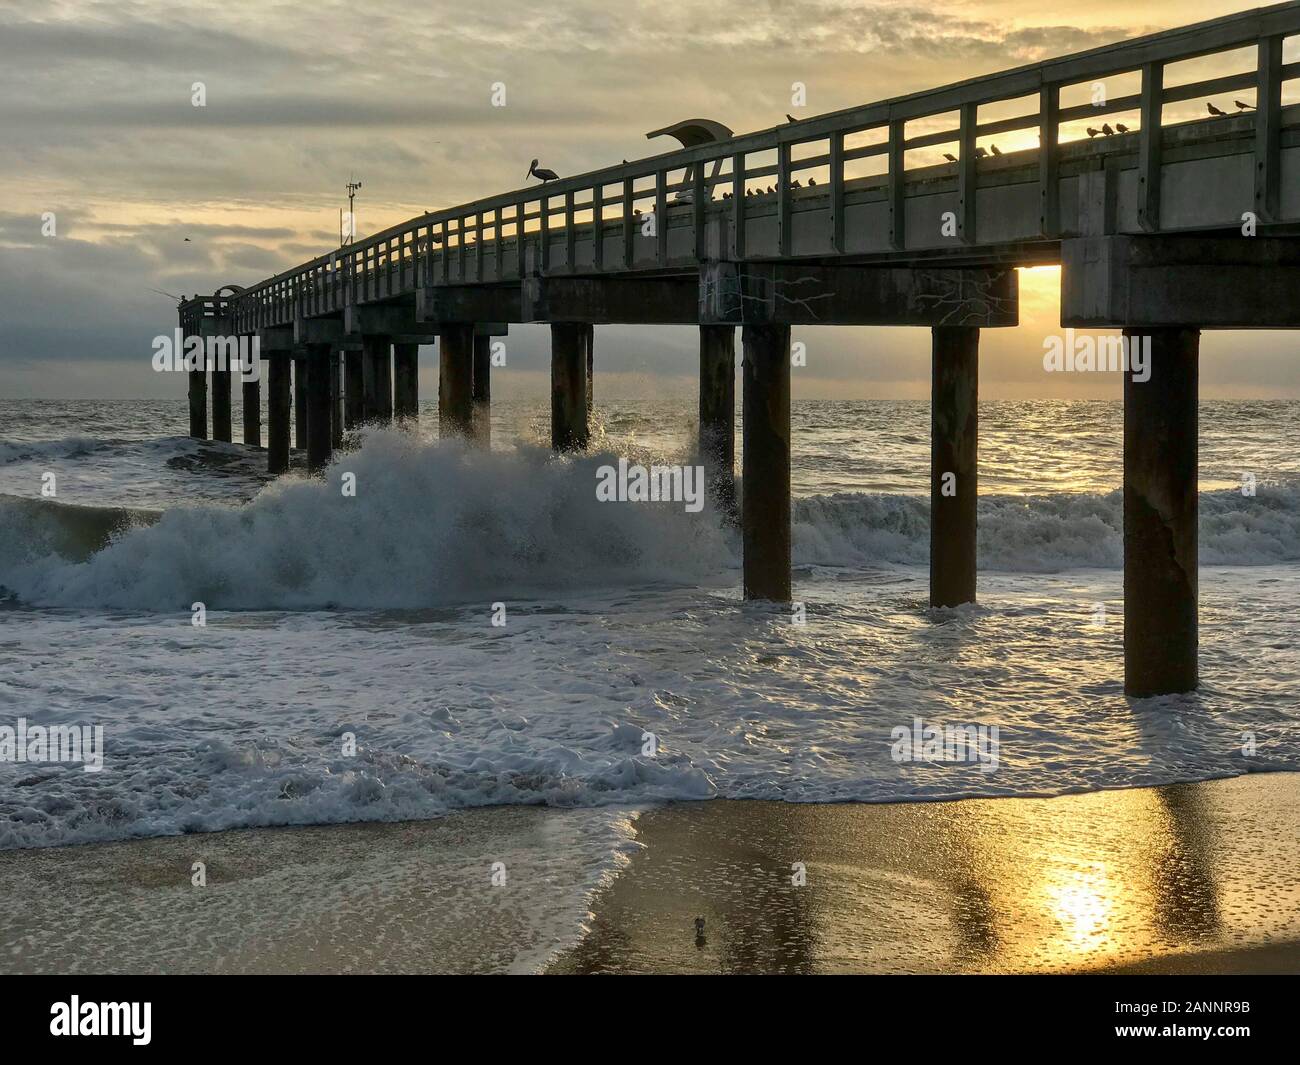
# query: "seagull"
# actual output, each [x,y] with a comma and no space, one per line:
[1121,127]
[790,118]
[541,172]
[1214,110]
[995,149]
[950,158]
[1243,107]
[1093,132]
[980,153]
[1105,128]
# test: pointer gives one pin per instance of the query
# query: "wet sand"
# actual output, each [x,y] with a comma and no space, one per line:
[1185,878]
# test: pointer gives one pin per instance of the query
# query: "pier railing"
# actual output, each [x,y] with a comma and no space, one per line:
[508,236]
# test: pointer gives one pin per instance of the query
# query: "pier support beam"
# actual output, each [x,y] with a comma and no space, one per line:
[481,418]
[569,428]
[319,427]
[199,404]
[277,413]
[300,400]
[252,400]
[589,343]
[353,388]
[954,489]
[718,414]
[221,405]
[406,381]
[1160,515]
[336,397]
[765,500]
[377,378]
[456,379]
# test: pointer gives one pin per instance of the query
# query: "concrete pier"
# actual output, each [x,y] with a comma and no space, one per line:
[481,418]
[1160,516]
[353,388]
[377,378]
[765,498]
[718,413]
[300,400]
[569,428]
[277,413]
[954,490]
[319,428]
[455,379]
[406,381]
[252,403]
[589,344]
[198,404]
[221,405]
[336,397]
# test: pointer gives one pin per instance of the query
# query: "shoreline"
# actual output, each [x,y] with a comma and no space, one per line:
[1182,878]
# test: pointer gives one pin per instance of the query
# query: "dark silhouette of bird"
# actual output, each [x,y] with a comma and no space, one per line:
[1093,132]
[980,153]
[1105,128]
[541,172]
[187,240]
[995,149]
[1243,107]
[795,184]
[726,195]
[1120,127]
[770,190]
[790,118]
[1215,111]
[949,157]
[749,192]
[812,182]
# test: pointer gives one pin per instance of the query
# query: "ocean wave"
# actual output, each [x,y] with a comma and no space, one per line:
[433,524]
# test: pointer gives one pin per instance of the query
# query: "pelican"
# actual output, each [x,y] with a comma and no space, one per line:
[541,172]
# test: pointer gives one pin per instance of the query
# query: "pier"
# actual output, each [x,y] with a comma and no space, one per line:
[1161,231]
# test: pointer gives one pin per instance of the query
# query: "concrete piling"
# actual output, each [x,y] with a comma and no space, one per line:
[456,379]
[221,405]
[252,401]
[954,489]
[300,401]
[319,427]
[336,397]
[589,344]
[198,404]
[1160,515]
[718,413]
[353,390]
[481,417]
[277,413]
[406,381]
[377,378]
[569,428]
[765,498]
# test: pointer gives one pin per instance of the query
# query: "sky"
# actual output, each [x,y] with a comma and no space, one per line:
[100,130]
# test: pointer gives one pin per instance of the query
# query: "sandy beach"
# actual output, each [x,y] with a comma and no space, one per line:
[1185,878]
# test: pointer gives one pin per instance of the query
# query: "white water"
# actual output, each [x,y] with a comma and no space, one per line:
[328,614]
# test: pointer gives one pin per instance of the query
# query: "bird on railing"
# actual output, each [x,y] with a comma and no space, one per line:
[726,195]
[980,153]
[1215,111]
[995,149]
[1243,107]
[795,184]
[812,183]
[541,172]
[770,190]
[1105,128]
[951,158]
[1093,133]
[790,118]
[1121,128]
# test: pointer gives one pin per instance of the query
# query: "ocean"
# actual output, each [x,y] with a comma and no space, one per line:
[348,668]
